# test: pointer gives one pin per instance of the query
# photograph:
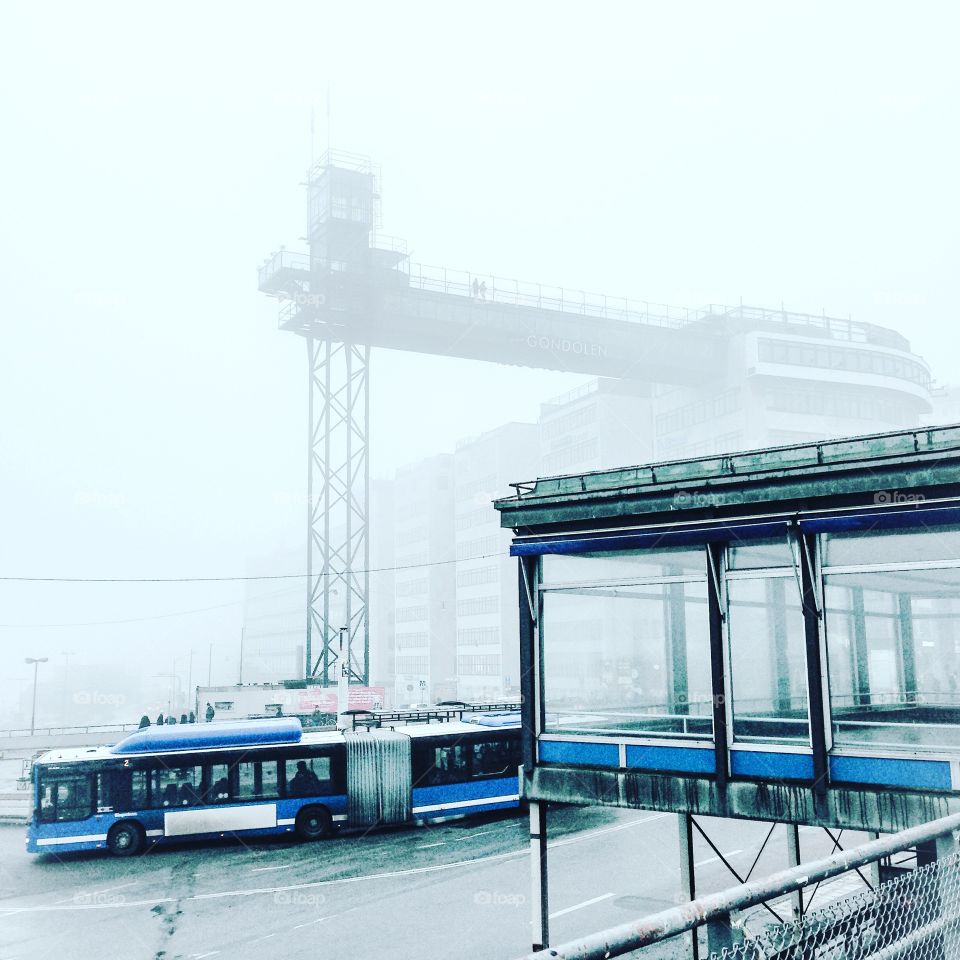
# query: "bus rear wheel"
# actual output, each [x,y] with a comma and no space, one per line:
[124,839]
[313,823]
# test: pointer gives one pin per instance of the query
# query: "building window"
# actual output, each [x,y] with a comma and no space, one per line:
[481,665]
[407,665]
[477,606]
[410,641]
[627,645]
[855,359]
[767,645]
[410,614]
[477,636]
[476,576]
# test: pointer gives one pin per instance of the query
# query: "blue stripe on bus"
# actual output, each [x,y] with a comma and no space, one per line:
[892,772]
[60,836]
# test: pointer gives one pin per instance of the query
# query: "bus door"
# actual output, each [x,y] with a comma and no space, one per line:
[378,777]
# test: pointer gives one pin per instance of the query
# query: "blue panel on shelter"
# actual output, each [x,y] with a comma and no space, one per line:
[891,772]
[680,536]
[674,759]
[204,736]
[761,765]
[918,515]
[579,754]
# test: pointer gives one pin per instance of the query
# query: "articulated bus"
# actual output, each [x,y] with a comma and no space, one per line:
[255,778]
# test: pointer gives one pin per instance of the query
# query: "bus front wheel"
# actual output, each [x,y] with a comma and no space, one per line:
[124,839]
[313,823]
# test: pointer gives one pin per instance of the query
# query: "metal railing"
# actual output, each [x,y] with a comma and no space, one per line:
[914,917]
[69,731]
[837,328]
[488,288]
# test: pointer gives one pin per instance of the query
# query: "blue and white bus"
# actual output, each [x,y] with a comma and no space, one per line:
[266,778]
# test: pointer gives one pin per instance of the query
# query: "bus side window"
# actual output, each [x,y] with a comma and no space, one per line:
[176,786]
[492,758]
[218,779]
[257,780]
[309,776]
[437,765]
[114,790]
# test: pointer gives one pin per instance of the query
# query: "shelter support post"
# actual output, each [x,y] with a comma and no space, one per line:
[539,898]
[793,860]
[688,873]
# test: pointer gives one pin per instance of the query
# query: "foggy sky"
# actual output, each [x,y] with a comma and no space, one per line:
[153,417]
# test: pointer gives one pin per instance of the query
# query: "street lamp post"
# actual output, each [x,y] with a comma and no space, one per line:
[36,661]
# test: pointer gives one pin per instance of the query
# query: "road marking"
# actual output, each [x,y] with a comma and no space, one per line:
[307,885]
[580,906]
[482,833]
[97,893]
[602,830]
[703,863]
[310,923]
[425,846]
[260,939]
[200,956]
[283,866]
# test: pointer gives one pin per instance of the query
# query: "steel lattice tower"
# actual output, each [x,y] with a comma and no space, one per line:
[338,493]
[318,292]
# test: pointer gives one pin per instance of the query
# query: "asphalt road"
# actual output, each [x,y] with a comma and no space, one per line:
[456,890]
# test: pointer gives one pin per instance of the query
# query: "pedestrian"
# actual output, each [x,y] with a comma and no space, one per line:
[183,718]
[210,712]
[193,717]
[476,289]
[160,720]
[483,289]
[171,720]
[144,721]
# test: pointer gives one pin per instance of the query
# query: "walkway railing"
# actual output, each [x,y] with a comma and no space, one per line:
[914,917]
[68,731]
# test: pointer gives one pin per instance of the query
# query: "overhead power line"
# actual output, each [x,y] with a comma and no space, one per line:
[243,579]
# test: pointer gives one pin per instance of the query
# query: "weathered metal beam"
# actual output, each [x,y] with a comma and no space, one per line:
[881,810]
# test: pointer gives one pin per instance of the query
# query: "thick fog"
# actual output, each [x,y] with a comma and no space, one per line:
[153,417]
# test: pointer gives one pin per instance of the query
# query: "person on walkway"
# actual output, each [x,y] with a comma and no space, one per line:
[210,712]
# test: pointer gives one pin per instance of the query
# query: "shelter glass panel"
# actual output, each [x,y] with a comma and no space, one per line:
[619,565]
[902,546]
[631,659]
[767,659]
[893,645]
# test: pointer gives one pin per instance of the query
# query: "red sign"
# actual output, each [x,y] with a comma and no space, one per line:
[324,699]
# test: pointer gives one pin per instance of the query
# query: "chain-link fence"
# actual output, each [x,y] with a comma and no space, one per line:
[913,917]
[913,914]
